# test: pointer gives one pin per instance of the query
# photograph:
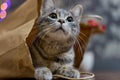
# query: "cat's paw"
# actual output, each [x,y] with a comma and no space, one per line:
[43,74]
[68,72]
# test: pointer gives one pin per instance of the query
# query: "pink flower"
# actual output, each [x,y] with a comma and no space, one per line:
[103,27]
[93,23]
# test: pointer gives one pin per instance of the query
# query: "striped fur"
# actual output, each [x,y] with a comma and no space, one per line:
[52,49]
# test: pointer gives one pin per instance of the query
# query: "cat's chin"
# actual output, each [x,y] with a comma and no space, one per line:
[59,35]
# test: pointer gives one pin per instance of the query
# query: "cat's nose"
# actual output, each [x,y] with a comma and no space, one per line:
[61,21]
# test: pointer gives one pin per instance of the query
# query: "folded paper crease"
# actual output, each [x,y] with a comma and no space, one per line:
[15,59]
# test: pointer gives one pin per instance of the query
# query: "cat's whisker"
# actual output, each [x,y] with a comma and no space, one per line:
[43,32]
[46,33]
[80,48]
[47,28]
[80,38]
[84,34]
[52,23]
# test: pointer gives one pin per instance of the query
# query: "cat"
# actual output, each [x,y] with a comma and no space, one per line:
[52,49]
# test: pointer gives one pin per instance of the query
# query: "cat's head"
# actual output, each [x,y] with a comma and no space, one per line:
[59,24]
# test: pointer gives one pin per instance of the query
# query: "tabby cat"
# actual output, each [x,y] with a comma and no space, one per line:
[52,49]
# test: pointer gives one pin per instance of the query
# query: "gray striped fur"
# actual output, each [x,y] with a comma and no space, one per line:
[52,49]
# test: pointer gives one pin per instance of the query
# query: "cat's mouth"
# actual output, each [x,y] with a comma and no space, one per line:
[60,29]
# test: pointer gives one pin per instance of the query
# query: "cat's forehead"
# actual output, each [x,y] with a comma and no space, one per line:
[62,12]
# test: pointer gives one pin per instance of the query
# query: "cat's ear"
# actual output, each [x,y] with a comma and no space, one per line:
[46,6]
[77,11]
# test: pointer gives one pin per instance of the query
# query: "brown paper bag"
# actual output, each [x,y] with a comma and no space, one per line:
[15,59]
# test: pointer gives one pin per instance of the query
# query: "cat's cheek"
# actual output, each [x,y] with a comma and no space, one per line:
[73,30]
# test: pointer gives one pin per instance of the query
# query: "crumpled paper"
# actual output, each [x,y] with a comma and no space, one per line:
[15,59]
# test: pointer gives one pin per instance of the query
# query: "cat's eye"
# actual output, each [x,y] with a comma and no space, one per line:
[53,15]
[70,19]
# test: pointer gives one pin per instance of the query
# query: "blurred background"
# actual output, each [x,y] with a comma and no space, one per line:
[104,47]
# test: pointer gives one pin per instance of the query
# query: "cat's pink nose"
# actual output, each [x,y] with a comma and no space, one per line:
[61,21]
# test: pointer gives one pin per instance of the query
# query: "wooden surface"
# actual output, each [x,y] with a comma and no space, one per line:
[99,76]
[107,75]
